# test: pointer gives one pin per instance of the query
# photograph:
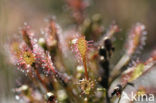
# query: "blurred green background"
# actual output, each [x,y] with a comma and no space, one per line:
[13,13]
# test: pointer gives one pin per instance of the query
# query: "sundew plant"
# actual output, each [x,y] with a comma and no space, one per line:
[74,65]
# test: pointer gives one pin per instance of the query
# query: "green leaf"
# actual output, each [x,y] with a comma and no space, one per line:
[137,71]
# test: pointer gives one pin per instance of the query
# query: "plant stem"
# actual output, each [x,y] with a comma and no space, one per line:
[41,80]
[85,67]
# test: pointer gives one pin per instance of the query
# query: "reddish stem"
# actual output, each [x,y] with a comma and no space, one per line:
[41,80]
[85,67]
